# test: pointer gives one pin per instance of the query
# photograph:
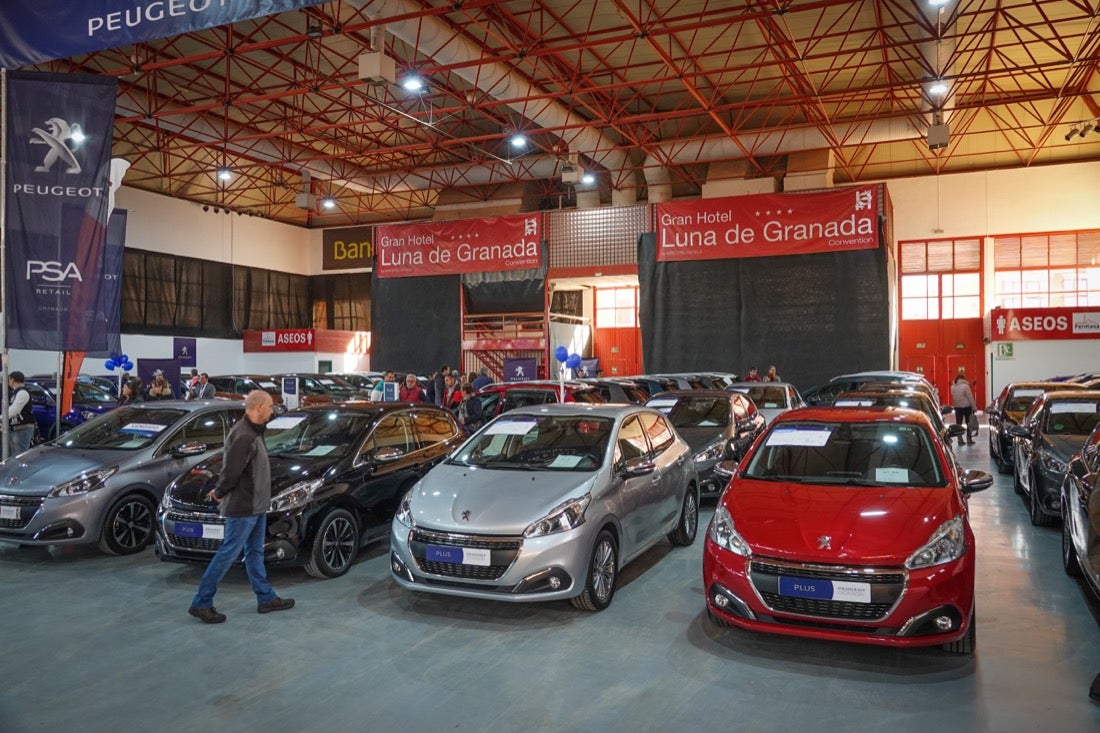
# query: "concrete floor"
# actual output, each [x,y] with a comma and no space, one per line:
[95,643]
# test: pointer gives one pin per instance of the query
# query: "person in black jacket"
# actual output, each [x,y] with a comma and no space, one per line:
[243,493]
[470,412]
[21,423]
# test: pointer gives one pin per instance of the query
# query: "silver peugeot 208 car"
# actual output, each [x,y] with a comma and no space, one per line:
[547,503]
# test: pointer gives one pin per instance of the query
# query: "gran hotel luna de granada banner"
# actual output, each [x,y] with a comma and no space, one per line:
[456,247]
[765,225]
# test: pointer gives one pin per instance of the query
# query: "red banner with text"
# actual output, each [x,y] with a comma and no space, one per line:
[769,224]
[1044,324]
[456,247]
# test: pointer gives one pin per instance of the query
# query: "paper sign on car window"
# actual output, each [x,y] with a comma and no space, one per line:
[512,427]
[285,422]
[853,403]
[808,437]
[662,405]
[564,461]
[142,427]
[1027,393]
[1073,407]
[892,475]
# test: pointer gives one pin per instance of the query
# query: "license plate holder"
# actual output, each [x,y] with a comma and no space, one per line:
[457,555]
[828,590]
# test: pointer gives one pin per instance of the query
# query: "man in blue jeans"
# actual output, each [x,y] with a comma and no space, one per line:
[244,494]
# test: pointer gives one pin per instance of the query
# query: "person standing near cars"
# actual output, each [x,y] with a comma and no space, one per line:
[243,493]
[204,390]
[470,412]
[752,376]
[771,376]
[411,391]
[160,389]
[962,399]
[482,379]
[20,416]
[378,391]
[452,395]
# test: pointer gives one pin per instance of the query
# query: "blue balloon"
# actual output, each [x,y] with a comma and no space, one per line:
[573,361]
[109,365]
[124,360]
[130,365]
[561,353]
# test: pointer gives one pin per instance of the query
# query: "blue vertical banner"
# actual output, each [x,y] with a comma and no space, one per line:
[59,148]
[519,370]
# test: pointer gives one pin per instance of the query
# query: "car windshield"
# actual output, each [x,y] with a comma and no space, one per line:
[909,401]
[329,433]
[694,412]
[125,428]
[335,385]
[541,442]
[1078,417]
[87,393]
[766,396]
[848,453]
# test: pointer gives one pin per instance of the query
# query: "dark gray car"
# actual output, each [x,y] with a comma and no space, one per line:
[101,481]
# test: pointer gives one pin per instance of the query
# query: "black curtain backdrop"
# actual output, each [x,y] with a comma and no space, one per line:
[416,322]
[812,316]
[508,291]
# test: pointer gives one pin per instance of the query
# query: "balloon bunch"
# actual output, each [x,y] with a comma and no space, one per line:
[571,361]
[118,361]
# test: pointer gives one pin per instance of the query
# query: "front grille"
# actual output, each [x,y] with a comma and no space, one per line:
[27,505]
[194,543]
[502,553]
[886,588]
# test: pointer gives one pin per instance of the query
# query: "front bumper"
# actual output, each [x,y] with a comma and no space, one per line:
[907,608]
[53,520]
[183,544]
[521,569]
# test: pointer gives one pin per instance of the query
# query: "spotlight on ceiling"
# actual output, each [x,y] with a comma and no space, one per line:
[1071,133]
[588,179]
[1096,125]
[224,174]
[938,88]
[1084,130]
[205,207]
[412,83]
[328,202]
[314,29]
[518,140]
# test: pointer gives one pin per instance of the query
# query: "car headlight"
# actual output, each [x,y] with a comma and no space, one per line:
[711,453]
[722,533]
[947,543]
[565,516]
[404,509]
[296,496]
[1053,464]
[84,483]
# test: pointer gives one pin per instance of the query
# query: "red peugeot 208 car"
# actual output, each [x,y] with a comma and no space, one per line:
[847,524]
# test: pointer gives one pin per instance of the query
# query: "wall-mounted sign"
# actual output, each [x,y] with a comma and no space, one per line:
[1044,324]
[306,339]
[348,248]
[455,247]
[1004,350]
[768,224]
[922,345]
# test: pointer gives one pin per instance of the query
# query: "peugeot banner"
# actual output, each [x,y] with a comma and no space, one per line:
[59,130]
[32,31]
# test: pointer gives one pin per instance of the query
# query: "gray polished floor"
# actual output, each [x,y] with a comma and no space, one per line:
[93,643]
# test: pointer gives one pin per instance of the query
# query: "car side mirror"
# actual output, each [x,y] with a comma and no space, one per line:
[190,448]
[954,431]
[640,466]
[992,412]
[1018,431]
[974,480]
[387,454]
[946,410]
[725,470]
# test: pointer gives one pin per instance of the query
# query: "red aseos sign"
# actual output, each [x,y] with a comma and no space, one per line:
[1044,324]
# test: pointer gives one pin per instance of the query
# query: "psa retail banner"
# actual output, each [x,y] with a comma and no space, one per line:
[764,225]
[456,247]
[1044,324]
[59,147]
[32,31]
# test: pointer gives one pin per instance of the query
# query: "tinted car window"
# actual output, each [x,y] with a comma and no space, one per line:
[392,431]
[124,429]
[1078,417]
[321,433]
[207,427]
[524,397]
[87,393]
[767,396]
[433,427]
[699,412]
[632,442]
[37,394]
[556,443]
[489,402]
[659,432]
[586,395]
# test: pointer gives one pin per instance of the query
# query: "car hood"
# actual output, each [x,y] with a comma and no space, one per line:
[700,438]
[456,498]
[37,471]
[1064,446]
[285,472]
[867,525]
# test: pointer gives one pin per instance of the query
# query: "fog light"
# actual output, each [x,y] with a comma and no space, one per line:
[720,600]
[70,532]
[280,553]
[555,582]
[396,566]
[944,623]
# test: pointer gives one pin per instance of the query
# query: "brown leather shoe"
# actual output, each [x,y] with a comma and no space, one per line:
[276,604]
[207,615]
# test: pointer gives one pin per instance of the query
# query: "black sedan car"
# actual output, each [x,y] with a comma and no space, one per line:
[1052,431]
[1006,410]
[1080,536]
[337,475]
[912,398]
[717,424]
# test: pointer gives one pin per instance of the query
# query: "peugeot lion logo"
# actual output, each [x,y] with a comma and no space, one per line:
[824,542]
[466,515]
[58,132]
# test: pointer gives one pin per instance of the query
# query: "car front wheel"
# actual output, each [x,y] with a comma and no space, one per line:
[688,524]
[334,546]
[603,571]
[1035,511]
[1070,562]
[128,526]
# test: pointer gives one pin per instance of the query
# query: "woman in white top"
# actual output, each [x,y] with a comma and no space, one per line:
[962,399]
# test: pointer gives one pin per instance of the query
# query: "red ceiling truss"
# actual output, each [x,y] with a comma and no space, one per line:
[641,92]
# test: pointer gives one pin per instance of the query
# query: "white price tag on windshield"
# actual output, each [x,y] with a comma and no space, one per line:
[564,461]
[892,475]
[1083,408]
[806,437]
[853,403]
[1027,393]
[285,422]
[511,427]
[142,427]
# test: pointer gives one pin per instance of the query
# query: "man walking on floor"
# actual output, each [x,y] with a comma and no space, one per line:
[244,494]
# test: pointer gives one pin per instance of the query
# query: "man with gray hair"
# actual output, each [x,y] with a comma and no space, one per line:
[482,379]
[243,493]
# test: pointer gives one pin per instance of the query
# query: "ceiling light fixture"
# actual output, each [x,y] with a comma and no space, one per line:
[328,202]
[588,179]
[225,174]
[938,88]
[412,83]
[518,140]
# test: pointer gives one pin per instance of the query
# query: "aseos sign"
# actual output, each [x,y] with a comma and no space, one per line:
[1044,324]
[455,247]
[768,224]
[287,339]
